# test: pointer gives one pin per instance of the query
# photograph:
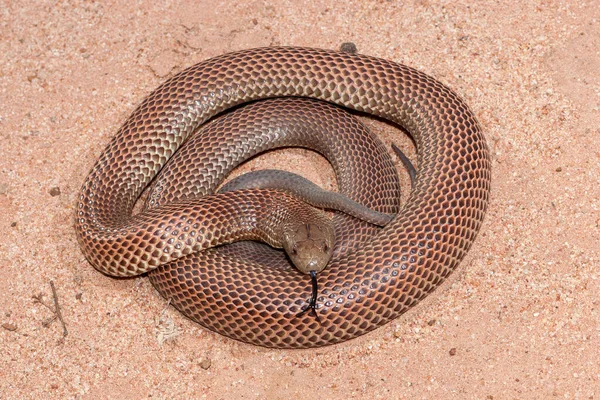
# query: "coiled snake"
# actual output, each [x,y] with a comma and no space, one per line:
[362,290]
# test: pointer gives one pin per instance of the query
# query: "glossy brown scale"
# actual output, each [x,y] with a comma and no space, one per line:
[361,162]
[360,291]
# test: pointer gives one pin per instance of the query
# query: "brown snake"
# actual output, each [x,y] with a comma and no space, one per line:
[365,289]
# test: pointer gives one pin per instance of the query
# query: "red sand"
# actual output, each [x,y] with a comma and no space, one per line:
[519,318]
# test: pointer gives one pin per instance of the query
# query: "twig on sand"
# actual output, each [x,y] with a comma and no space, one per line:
[55,310]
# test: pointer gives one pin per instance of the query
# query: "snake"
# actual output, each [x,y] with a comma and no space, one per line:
[361,290]
[366,176]
[308,191]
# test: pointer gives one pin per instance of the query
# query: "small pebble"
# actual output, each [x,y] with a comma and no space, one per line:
[348,47]
[9,326]
[55,191]
[452,351]
[205,363]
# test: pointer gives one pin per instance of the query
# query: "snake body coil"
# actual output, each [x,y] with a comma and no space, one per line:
[365,289]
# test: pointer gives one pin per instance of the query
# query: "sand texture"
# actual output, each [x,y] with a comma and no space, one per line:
[519,319]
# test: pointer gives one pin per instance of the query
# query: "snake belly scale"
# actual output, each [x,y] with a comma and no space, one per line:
[360,291]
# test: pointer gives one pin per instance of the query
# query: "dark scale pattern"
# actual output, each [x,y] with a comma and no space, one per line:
[364,169]
[360,291]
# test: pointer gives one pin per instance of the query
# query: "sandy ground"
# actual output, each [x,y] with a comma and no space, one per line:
[518,320]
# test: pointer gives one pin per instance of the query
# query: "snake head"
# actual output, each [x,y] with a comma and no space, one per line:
[309,245]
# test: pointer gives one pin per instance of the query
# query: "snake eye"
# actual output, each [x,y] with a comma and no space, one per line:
[294,251]
[325,247]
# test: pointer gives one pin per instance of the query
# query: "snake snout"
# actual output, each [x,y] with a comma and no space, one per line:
[309,257]
[314,264]
[310,245]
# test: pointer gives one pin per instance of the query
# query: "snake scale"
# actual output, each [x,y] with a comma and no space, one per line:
[362,290]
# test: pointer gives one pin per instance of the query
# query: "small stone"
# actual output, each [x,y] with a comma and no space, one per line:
[13,224]
[9,327]
[55,191]
[348,47]
[452,351]
[205,363]
[431,322]
[559,169]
